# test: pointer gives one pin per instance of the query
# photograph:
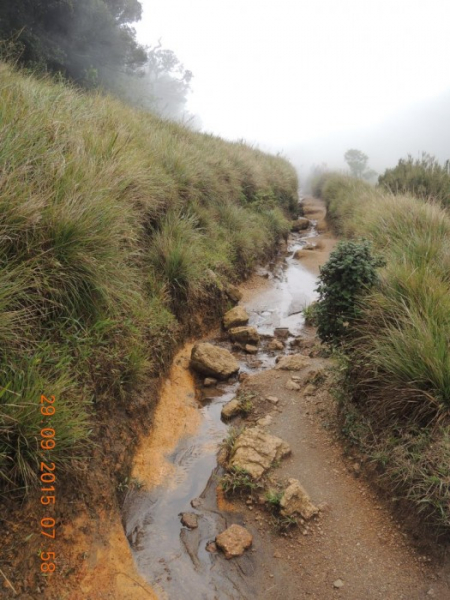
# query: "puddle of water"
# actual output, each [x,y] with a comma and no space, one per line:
[178,461]
[281,304]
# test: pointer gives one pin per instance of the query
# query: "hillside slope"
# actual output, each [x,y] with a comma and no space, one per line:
[117,231]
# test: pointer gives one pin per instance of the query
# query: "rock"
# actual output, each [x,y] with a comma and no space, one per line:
[316,376]
[309,247]
[309,390]
[272,399]
[277,554]
[244,335]
[196,502]
[234,541]
[235,317]
[211,547]
[338,583]
[251,349]
[292,385]
[255,451]
[213,361]
[233,293]
[231,409]
[299,254]
[190,520]
[275,345]
[265,421]
[300,224]
[210,382]
[293,362]
[238,347]
[295,500]
[281,333]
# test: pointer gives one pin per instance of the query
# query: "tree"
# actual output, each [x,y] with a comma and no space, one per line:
[357,161]
[75,39]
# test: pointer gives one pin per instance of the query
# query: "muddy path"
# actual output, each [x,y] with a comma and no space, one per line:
[353,550]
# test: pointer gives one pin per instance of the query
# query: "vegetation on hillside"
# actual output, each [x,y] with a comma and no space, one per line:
[114,227]
[397,372]
[93,43]
[424,177]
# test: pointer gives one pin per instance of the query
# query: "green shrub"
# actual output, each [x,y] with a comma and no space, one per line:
[349,272]
[423,177]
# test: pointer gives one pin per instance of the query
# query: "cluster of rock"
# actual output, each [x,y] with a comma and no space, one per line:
[217,363]
[255,450]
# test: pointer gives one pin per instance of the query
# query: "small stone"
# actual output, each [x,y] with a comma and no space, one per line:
[293,362]
[235,317]
[209,382]
[281,333]
[251,349]
[265,421]
[273,399]
[211,547]
[295,500]
[234,541]
[196,503]
[309,390]
[255,451]
[243,376]
[277,554]
[431,593]
[275,345]
[244,335]
[291,385]
[233,293]
[338,583]
[295,378]
[190,520]
[300,224]
[231,409]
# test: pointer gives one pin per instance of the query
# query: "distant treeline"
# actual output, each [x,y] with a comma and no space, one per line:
[93,43]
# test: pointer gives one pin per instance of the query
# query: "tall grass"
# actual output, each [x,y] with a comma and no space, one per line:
[114,226]
[399,368]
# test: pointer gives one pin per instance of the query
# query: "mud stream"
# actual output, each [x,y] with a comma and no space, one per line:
[178,462]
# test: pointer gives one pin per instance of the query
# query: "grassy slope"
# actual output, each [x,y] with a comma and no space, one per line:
[399,370]
[113,226]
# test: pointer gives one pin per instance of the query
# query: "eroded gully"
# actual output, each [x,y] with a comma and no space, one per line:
[177,463]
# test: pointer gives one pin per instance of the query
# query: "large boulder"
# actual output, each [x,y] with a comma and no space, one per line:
[255,451]
[235,317]
[244,335]
[213,361]
[295,501]
[300,224]
[293,362]
[234,541]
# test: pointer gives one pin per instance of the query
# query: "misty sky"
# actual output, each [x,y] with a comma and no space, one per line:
[287,73]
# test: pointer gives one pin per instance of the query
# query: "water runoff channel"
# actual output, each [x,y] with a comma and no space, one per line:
[178,463]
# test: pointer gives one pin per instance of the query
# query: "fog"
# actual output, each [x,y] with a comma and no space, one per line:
[413,130]
[311,79]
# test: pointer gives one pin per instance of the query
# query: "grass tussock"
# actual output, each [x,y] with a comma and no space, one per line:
[398,372]
[114,225]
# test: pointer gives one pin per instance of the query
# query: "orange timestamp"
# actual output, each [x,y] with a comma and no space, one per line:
[48,480]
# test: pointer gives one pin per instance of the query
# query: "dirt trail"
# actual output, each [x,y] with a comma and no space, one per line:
[354,544]
[355,539]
